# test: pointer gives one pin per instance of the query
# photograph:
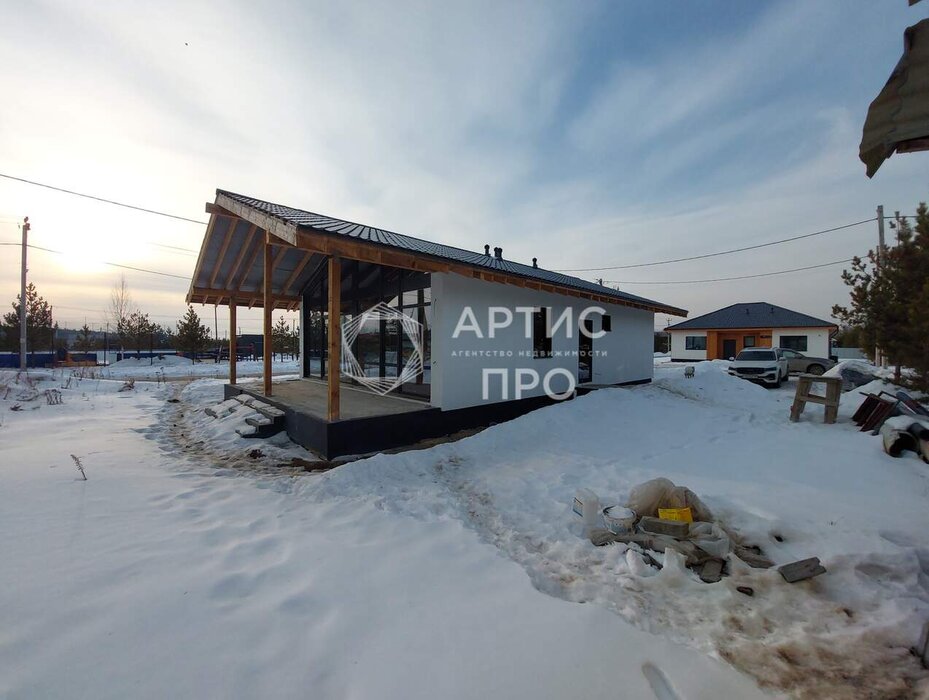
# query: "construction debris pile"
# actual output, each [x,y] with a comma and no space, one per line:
[900,420]
[661,517]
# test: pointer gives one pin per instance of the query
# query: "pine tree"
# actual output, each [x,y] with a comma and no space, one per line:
[39,325]
[191,336]
[889,296]
[280,337]
[136,331]
[84,342]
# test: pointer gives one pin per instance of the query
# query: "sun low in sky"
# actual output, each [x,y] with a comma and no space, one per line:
[591,135]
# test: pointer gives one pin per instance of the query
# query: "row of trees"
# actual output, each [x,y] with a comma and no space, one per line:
[133,330]
[890,300]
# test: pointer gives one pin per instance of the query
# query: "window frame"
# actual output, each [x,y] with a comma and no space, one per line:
[789,339]
[745,343]
[690,342]
[541,333]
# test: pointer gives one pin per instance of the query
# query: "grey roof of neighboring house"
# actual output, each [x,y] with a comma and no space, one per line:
[299,217]
[759,314]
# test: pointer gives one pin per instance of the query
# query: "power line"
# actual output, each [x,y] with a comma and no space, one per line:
[742,277]
[103,199]
[722,252]
[105,262]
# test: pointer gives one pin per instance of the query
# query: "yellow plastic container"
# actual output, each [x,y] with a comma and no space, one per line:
[682,514]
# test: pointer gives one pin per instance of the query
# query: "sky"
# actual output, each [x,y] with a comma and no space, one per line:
[588,135]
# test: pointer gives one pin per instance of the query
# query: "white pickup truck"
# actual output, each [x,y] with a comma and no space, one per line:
[765,365]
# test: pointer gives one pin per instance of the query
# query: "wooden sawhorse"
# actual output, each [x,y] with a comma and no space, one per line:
[805,395]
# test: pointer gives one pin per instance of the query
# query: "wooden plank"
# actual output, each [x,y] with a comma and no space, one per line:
[217,266]
[268,304]
[334,361]
[232,343]
[284,230]
[249,239]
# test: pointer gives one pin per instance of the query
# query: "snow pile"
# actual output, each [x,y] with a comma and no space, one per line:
[159,361]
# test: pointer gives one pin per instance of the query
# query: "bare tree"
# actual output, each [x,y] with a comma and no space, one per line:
[120,308]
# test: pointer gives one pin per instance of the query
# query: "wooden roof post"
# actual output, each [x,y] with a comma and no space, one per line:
[268,310]
[334,363]
[233,357]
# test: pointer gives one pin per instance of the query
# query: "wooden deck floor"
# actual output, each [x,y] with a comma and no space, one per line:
[309,396]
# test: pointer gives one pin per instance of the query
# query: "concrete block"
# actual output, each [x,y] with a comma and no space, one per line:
[672,528]
[712,571]
[801,570]
[600,537]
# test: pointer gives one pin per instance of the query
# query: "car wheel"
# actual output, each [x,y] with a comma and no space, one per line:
[816,369]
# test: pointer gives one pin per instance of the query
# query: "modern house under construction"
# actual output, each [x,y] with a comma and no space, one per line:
[418,330]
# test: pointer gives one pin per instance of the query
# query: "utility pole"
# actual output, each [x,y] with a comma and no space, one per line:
[878,355]
[22,299]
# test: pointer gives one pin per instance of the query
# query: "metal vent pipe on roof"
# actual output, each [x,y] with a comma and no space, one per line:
[486,249]
[535,263]
[498,253]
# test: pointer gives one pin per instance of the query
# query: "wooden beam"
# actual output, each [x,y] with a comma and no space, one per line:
[232,343]
[268,310]
[352,249]
[199,265]
[334,361]
[249,239]
[248,268]
[217,266]
[211,208]
[221,295]
[284,230]
[297,270]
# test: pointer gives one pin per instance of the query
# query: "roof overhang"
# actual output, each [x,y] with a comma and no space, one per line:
[230,265]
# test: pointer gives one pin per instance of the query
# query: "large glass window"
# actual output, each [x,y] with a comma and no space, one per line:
[382,348]
[794,342]
[695,342]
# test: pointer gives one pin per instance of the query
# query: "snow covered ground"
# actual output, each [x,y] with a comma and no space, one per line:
[184,566]
[172,367]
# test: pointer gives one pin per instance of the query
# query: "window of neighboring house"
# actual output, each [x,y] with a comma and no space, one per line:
[794,342]
[541,333]
[607,323]
[695,342]
[748,341]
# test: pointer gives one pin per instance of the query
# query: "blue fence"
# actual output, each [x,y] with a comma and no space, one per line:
[10,360]
[36,359]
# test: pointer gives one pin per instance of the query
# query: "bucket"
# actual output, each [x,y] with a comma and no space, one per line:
[619,519]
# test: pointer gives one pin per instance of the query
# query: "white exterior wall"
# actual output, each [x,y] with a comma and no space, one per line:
[679,345]
[817,339]
[457,379]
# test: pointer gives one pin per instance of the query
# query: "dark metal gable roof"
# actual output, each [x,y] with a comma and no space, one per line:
[299,217]
[757,314]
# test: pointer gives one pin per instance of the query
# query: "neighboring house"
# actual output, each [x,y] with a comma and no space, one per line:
[260,254]
[724,333]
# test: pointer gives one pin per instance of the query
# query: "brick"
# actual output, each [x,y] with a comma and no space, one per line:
[672,528]
[801,570]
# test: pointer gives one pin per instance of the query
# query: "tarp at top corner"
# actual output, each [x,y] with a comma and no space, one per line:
[898,118]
